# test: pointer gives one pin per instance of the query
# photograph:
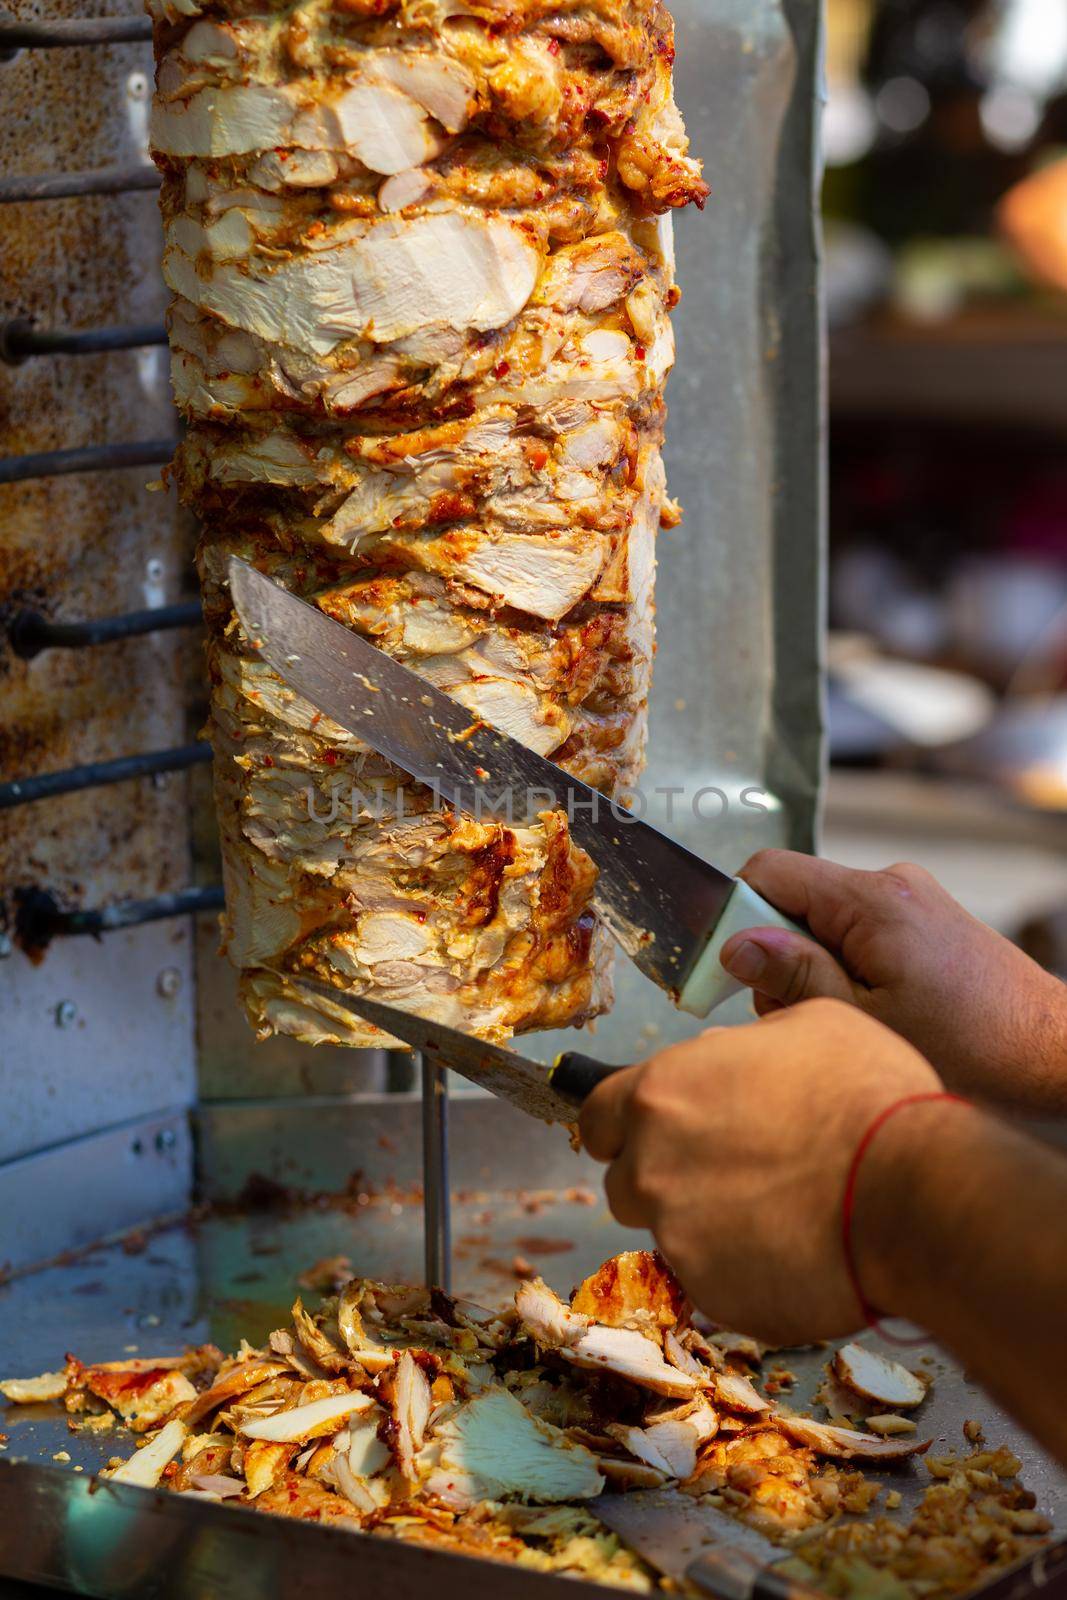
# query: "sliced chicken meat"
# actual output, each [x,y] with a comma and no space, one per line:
[844,1442]
[488,1433]
[591,1345]
[492,1449]
[422,273]
[876,1377]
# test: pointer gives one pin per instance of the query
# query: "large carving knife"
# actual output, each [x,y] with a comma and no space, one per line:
[699,1546]
[671,911]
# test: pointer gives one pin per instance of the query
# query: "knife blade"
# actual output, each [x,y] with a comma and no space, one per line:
[697,1544]
[691,1541]
[552,1094]
[669,909]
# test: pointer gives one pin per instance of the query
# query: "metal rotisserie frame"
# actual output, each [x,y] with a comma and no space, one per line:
[129,1084]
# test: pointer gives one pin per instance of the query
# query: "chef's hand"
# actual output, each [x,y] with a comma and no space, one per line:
[896,945]
[734,1150]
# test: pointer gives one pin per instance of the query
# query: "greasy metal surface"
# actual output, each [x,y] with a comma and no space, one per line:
[67,1197]
[97,1034]
[235,1275]
[519,1189]
[318,1143]
[81,546]
[736,702]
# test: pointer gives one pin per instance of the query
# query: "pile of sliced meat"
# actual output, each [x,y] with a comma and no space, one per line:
[421,258]
[411,1414]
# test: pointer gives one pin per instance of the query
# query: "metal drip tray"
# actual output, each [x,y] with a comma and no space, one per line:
[230,1271]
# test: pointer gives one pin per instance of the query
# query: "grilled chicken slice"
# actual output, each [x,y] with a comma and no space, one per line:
[849,1444]
[584,1343]
[33,1391]
[422,270]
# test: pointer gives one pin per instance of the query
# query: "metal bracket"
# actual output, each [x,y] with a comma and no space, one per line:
[436,1188]
[20,339]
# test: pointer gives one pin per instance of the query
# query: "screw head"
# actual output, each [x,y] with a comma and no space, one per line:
[169,983]
[154,570]
[137,86]
[166,1139]
[66,1014]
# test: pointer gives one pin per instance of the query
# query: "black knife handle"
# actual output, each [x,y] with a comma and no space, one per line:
[574,1076]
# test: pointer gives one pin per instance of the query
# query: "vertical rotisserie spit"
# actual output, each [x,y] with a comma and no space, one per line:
[420,337]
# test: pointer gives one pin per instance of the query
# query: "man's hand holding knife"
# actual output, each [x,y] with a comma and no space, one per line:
[814,1169]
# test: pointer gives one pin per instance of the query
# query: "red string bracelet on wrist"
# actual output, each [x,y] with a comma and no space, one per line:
[871,1315]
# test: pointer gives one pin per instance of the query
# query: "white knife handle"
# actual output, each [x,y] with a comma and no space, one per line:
[709,984]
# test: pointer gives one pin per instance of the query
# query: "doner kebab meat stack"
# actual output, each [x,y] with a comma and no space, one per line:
[421,259]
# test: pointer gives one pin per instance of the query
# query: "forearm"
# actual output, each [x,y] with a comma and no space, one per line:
[1013,1051]
[961,1226]
[896,946]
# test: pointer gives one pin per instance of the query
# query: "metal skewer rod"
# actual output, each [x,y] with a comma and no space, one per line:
[49,785]
[61,185]
[39,918]
[79,30]
[437,1194]
[30,633]
[19,340]
[87,458]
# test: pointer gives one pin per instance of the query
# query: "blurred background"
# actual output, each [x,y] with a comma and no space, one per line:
[946,229]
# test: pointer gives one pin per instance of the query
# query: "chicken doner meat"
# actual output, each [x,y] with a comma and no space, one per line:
[420,253]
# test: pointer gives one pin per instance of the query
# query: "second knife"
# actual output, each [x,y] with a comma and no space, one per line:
[552,1094]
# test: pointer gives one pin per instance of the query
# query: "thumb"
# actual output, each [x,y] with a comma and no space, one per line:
[786,967]
[604,1115]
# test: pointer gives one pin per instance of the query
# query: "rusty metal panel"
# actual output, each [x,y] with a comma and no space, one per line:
[81,546]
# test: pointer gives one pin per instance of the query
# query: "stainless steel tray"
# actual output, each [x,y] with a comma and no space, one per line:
[232,1271]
